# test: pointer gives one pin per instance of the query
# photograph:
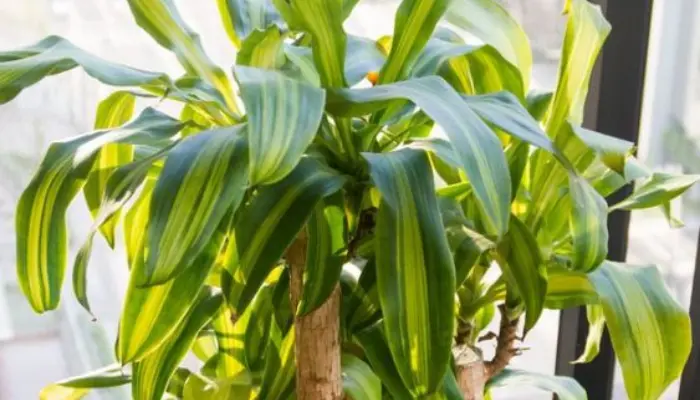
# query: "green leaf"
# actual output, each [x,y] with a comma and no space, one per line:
[198,387]
[360,306]
[413,26]
[323,20]
[52,55]
[478,147]
[230,329]
[565,388]
[279,366]
[204,177]
[612,151]
[490,22]
[415,271]
[588,226]
[522,266]
[325,253]
[40,218]
[262,49]
[362,57]
[436,53]
[271,220]
[151,314]
[152,374]
[596,326]
[377,351]
[257,330]
[78,386]
[163,22]
[650,331]
[113,111]
[241,18]
[283,117]
[359,381]
[568,289]
[658,190]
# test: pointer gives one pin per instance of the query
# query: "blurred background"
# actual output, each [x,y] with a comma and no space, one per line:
[36,350]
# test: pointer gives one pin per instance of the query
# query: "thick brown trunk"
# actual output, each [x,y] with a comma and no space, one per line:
[317,336]
[471,372]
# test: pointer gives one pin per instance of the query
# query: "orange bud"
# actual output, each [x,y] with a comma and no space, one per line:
[373,77]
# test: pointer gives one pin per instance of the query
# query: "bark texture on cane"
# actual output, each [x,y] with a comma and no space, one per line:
[317,340]
[471,372]
[505,346]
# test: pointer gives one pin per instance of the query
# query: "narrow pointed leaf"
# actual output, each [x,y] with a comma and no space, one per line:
[650,331]
[588,225]
[359,381]
[243,17]
[113,111]
[413,26]
[151,314]
[415,271]
[564,387]
[325,253]
[660,189]
[152,374]
[280,365]
[257,333]
[269,223]
[523,269]
[283,116]
[40,218]
[478,148]
[204,177]
[161,19]
[78,386]
[612,151]
[490,22]
[52,55]
[596,326]
[379,356]
[262,49]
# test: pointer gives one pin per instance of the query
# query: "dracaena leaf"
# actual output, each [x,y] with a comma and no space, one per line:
[262,49]
[257,333]
[358,281]
[414,24]
[490,22]
[269,223]
[78,386]
[567,289]
[279,366]
[650,331]
[151,314]
[113,111]
[161,20]
[325,253]
[362,57]
[415,271]
[40,218]
[564,387]
[152,373]
[596,326]
[612,151]
[379,356]
[359,381]
[660,189]
[477,147]
[229,329]
[283,116]
[24,67]
[241,18]
[588,226]
[204,177]
[522,266]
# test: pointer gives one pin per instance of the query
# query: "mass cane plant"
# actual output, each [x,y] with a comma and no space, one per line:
[342,217]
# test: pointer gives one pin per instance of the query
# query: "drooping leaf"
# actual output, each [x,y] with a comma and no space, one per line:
[52,55]
[323,20]
[241,18]
[279,366]
[415,271]
[152,373]
[325,253]
[564,387]
[112,112]
[40,219]
[204,177]
[161,20]
[283,116]
[478,148]
[272,219]
[77,387]
[596,326]
[151,314]
[262,49]
[588,225]
[523,269]
[413,26]
[612,151]
[490,22]
[359,381]
[658,190]
[650,331]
